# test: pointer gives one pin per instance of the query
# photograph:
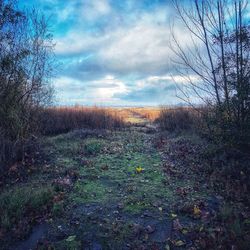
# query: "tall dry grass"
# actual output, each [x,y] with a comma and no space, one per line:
[177,119]
[63,119]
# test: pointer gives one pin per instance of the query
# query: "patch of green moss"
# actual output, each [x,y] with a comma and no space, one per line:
[112,176]
[136,207]
[90,191]
[93,146]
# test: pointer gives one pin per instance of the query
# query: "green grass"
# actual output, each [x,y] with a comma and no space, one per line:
[90,191]
[93,146]
[17,202]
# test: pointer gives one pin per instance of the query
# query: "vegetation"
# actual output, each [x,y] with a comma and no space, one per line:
[216,65]
[18,202]
[134,177]
[129,185]
[178,119]
[26,56]
[149,113]
[61,120]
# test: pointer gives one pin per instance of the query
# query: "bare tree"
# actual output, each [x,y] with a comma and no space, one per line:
[26,64]
[219,55]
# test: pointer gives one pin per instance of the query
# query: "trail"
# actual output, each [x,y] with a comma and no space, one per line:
[136,118]
[117,193]
[120,200]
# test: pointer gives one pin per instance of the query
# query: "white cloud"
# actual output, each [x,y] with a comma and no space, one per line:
[142,47]
[107,87]
[95,92]
[65,13]
[136,48]
[109,90]
[76,43]
[93,9]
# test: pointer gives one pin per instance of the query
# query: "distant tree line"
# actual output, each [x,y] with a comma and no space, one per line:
[26,64]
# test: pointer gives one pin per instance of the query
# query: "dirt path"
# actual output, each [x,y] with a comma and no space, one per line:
[114,191]
[135,118]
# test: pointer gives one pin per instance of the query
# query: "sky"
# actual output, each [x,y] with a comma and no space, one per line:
[113,52]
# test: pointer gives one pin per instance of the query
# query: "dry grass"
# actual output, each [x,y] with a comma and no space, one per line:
[63,119]
[183,118]
[147,112]
[138,114]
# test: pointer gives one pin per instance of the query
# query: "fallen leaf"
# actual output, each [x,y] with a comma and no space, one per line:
[105,167]
[139,170]
[71,238]
[196,210]
[150,229]
[13,168]
[179,243]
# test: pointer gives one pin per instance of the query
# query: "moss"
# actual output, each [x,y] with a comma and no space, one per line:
[93,146]
[92,191]
[136,207]
[112,176]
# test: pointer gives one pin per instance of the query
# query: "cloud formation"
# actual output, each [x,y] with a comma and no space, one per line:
[113,52]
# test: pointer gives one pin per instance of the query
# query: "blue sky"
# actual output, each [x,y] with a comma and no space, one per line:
[113,52]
